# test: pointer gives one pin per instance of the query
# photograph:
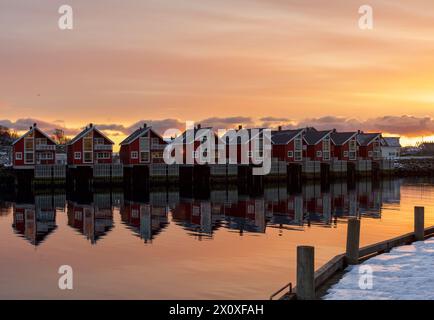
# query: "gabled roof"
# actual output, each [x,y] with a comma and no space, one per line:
[140,132]
[283,137]
[340,138]
[249,132]
[86,131]
[365,139]
[34,128]
[181,139]
[391,142]
[313,136]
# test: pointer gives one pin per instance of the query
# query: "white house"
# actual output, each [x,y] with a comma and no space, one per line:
[390,148]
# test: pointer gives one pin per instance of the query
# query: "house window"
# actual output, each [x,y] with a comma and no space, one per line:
[103,155]
[77,155]
[87,144]
[134,155]
[155,142]
[353,145]
[319,154]
[298,155]
[88,157]
[326,155]
[41,141]
[352,155]
[45,156]
[290,154]
[298,144]
[99,140]
[157,155]
[345,154]
[28,157]
[19,156]
[144,144]
[370,153]
[144,156]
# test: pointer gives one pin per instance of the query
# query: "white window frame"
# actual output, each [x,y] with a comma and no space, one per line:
[155,142]
[370,154]
[290,154]
[77,155]
[319,154]
[346,154]
[98,141]
[298,155]
[41,141]
[134,155]
[18,156]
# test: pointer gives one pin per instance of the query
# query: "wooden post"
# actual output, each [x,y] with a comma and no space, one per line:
[419,224]
[353,240]
[305,273]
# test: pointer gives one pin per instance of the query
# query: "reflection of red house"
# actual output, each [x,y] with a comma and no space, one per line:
[33,148]
[369,146]
[190,142]
[142,147]
[34,223]
[144,219]
[195,215]
[248,144]
[287,145]
[317,145]
[250,211]
[90,147]
[90,220]
[344,145]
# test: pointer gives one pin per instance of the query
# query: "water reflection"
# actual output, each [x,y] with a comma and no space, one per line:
[148,214]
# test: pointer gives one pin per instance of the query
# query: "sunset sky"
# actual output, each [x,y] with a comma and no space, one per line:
[225,62]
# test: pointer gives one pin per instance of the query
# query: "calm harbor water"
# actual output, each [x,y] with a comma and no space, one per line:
[167,245]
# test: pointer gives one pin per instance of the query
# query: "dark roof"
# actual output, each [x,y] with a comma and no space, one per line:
[134,135]
[258,131]
[391,142]
[313,136]
[183,137]
[340,138]
[34,128]
[86,131]
[365,139]
[284,136]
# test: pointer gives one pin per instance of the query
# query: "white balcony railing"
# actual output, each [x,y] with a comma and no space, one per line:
[105,147]
[45,147]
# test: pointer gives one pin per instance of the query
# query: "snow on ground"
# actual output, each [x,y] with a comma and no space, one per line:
[406,273]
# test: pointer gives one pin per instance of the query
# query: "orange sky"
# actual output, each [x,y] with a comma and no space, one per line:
[296,61]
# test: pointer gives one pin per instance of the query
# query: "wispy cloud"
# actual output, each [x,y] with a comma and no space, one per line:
[405,125]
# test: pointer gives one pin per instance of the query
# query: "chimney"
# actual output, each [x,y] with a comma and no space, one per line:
[279,128]
[199,126]
[145,125]
[240,127]
[334,130]
[359,132]
[34,125]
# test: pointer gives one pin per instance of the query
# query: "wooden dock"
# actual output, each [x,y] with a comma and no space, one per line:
[329,272]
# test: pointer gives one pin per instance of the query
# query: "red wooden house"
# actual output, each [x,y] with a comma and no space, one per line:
[344,145]
[248,143]
[90,147]
[287,145]
[369,146]
[316,145]
[190,141]
[144,146]
[33,148]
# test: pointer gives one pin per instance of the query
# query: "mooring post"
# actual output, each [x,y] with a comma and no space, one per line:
[305,273]
[419,223]
[353,240]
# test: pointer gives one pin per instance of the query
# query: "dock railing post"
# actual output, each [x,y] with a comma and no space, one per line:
[305,273]
[353,240]
[419,223]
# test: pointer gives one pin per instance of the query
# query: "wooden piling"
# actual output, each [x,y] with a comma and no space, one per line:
[353,241]
[305,273]
[419,223]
